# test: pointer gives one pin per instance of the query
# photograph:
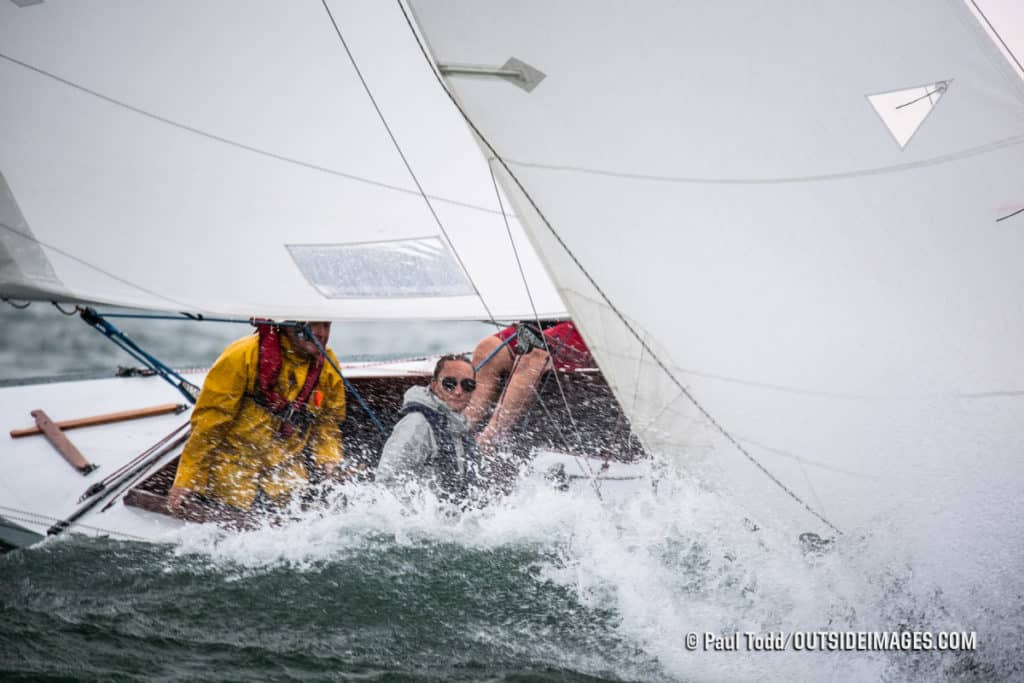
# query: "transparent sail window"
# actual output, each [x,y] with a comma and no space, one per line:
[422,267]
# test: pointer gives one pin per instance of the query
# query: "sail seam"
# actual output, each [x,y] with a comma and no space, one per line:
[787,180]
[736,444]
[824,393]
[236,143]
[95,268]
[405,160]
[801,460]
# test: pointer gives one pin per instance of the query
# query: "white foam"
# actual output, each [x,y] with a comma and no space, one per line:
[676,560]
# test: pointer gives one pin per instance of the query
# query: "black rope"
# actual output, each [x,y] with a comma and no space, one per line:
[91,501]
[15,304]
[622,318]
[73,311]
[408,166]
[940,89]
[117,474]
[146,467]
[1010,215]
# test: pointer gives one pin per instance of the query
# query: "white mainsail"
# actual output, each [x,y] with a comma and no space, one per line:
[224,158]
[793,297]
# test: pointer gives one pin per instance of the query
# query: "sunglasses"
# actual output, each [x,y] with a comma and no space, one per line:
[449,384]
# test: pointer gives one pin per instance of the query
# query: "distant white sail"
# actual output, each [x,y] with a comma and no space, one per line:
[224,158]
[787,301]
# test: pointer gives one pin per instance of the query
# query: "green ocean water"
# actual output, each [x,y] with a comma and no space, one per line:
[544,587]
[98,609]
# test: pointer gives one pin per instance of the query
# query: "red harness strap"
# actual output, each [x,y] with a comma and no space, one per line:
[267,394]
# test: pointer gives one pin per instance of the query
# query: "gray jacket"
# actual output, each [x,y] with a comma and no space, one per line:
[411,451]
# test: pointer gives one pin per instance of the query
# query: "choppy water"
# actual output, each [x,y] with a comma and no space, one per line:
[542,587]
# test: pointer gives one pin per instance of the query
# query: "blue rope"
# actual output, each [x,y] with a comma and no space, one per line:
[95,320]
[348,385]
[492,353]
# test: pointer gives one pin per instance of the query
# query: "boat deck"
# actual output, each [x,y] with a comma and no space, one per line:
[38,488]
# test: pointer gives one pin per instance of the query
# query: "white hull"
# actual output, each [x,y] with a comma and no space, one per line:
[38,488]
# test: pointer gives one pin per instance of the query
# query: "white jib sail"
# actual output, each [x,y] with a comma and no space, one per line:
[791,302]
[225,158]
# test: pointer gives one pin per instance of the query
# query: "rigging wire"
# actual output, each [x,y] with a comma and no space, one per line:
[533,308]
[189,390]
[998,37]
[32,238]
[405,160]
[46,520]
[348,385]
[234,143]
[180,317]
[622,318]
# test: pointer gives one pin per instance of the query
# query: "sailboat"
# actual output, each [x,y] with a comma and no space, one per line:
[789,235]
[303,165]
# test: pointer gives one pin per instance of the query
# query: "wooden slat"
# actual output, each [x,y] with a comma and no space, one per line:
[147,500]
[63,445]
[106,418]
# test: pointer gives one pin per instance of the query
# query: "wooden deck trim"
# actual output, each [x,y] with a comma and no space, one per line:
[106,418]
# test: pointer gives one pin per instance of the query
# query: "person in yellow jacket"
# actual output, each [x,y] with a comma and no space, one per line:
[268,413]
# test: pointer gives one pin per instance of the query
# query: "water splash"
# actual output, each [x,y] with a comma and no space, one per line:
[676,560]
[542,583]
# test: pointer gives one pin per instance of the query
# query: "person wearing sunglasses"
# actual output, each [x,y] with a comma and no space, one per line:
[430,444]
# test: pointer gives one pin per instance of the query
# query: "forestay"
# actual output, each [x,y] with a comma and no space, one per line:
[224,158]
[795,296]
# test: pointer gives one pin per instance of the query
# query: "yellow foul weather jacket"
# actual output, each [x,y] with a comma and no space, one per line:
[236,448]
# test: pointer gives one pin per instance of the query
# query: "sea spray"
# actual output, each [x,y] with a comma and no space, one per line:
[667,561]
[541,584]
